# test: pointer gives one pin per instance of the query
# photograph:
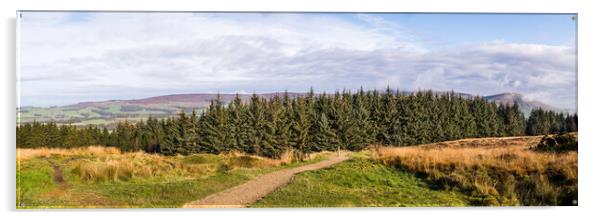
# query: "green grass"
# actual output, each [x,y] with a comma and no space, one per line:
[94,122]
[141,194]
[34,179]
[114,109]
[360,182]
[172,187]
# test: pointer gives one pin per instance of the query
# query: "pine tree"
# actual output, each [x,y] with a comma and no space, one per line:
[346,124]
[155,135]
[124,136]
[268,127]
[538,123]
[284,127]
[271,144]
[300,129]
[238,127]
[172,138]
[325,138]
[211,129]
[256,119]
[387,121]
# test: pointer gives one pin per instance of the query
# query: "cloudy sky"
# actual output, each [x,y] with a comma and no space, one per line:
[66,58]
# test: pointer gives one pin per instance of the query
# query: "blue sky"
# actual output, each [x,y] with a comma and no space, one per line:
[87,56]
[452,28]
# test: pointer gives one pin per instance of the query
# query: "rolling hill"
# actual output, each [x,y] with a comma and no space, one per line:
[524,104]
[111,111]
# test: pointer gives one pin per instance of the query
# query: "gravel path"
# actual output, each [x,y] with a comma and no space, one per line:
[246,194]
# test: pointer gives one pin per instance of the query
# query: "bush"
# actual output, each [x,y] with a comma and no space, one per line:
[558,143]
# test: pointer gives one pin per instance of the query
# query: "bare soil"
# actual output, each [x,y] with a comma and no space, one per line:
[57,173]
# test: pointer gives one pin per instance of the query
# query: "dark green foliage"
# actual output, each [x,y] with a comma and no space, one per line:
[558,143]
[344,120]
[181,135]
[324,138]
[546,122]
[214,131]
[237,125]
[300,126]
[513,119]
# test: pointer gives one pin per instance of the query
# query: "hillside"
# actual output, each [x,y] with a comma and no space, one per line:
[111,111]
[491,171]
[524,104]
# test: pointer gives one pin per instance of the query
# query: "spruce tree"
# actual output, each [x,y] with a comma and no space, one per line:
[300,127]
[213,130]
[325,138]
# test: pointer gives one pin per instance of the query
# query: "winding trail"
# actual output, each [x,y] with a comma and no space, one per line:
[246,194]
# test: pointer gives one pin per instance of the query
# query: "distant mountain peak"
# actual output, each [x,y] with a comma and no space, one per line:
[524,104]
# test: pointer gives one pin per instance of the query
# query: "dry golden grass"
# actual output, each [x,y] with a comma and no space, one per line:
[236,159]
[241,160]
[494,142]
[519,160]
[502,168]
[101,164]
[26,154]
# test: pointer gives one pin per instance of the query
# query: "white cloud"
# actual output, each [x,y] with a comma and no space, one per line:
[144,54]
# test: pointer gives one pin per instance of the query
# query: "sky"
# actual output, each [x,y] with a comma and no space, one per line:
[70,57]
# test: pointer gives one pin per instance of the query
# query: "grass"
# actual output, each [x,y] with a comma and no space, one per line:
[99,177]
[34,179]
[485,171]
[502,175]
[139,194]
[359,182]
[478,171]
[91,151]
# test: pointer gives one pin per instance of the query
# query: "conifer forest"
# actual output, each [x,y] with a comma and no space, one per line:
[311,123]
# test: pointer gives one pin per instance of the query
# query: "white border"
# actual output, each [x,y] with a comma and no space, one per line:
[589,93]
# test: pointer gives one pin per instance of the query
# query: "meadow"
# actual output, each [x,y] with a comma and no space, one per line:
[104,177]
[500,171]
[360,182]
[479,172]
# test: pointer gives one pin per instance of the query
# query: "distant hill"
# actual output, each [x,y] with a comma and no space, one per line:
[179,101]
[111,111]
[524,105]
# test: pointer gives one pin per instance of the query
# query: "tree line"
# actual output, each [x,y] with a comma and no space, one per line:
[344,120]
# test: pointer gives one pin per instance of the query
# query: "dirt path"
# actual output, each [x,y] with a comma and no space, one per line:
[246,194]
[58,173]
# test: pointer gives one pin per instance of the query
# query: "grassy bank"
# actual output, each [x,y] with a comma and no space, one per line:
[492,171]
[104,177]
[360,182]
[484,171]
[478,172]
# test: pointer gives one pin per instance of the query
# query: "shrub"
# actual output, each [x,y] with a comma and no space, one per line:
[558,143]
